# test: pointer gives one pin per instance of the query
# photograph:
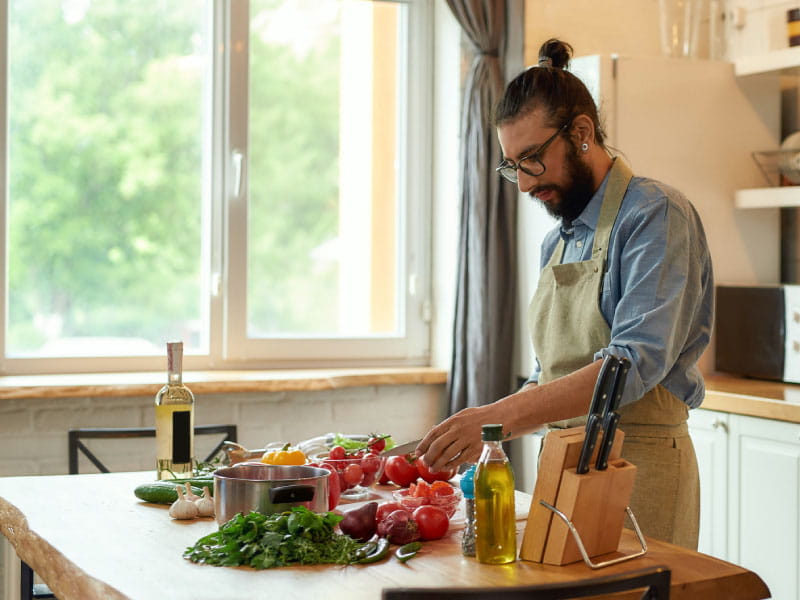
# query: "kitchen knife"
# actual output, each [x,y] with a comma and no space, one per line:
[407,448]
[611,418]
[609,429]
[589,441]
[624,365]
[603,387]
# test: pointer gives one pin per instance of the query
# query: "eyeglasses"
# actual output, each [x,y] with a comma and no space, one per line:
[531,163]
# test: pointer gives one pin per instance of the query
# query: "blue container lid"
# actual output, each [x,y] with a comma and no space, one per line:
[468,482]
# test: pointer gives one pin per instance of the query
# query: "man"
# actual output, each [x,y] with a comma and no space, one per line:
[627,272]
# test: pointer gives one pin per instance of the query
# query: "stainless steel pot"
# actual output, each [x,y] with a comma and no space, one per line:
[268,489]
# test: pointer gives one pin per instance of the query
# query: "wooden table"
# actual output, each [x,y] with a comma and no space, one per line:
[89,538]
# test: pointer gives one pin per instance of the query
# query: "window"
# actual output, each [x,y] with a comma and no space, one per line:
[249,177]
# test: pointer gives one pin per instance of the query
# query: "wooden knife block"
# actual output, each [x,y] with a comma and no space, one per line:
[595,502]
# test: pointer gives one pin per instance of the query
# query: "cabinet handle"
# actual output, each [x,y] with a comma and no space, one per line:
[720,424]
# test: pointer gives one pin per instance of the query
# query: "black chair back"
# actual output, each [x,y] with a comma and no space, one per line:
[75,444]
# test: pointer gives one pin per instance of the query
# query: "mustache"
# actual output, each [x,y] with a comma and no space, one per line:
[543,188]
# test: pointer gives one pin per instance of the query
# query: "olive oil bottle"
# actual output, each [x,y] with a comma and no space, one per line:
[174,420]
[495,518]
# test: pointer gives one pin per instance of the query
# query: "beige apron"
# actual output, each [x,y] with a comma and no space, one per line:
[567,329]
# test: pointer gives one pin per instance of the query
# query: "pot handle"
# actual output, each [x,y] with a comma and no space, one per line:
[291,493]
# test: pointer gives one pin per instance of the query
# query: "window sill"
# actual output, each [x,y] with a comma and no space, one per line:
[212,382]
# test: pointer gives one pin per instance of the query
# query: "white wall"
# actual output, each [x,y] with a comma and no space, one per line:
[33,432]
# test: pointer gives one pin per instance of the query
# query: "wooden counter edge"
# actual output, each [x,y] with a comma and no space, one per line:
[214,382]
[64,578]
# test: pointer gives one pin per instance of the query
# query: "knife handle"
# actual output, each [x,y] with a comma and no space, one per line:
[592,428]
[605,382]
[619,383]
[609,429]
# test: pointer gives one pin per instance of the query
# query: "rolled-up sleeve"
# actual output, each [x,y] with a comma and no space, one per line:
[657,294]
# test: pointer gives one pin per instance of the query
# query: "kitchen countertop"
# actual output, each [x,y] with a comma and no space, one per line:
[753,397]
[97,541]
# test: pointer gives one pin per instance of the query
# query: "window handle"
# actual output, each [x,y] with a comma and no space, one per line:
[238,162]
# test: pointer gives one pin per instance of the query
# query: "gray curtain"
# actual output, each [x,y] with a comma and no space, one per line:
[483,331]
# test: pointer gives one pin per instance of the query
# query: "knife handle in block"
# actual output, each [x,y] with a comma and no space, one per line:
[609,429]
[592,429]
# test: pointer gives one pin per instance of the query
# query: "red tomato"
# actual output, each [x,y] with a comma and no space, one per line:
[401,470]
[337,453]
[431,476]
[442,488]
[334,488]
[376,444]
[371,463]
[386,508]
[352,474]
[432,520]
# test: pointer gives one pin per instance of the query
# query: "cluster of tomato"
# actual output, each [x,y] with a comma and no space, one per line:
[428,507]
[362,467]
[405,469]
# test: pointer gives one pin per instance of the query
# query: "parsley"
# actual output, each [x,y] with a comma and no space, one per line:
[295,537]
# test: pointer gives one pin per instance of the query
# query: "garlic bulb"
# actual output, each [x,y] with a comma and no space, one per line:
[205,505]
[182,508]
[190,495]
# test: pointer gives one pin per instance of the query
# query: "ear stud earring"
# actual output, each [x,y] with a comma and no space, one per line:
[585,147]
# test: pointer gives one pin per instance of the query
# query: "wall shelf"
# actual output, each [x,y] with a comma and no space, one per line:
[777,62]
[775,197]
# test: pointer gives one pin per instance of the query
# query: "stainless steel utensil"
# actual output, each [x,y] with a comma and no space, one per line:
[267,489]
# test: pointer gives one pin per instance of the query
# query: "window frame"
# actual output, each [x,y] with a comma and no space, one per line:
[224,211]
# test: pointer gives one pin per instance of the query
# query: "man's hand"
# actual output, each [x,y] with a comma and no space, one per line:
[455,440]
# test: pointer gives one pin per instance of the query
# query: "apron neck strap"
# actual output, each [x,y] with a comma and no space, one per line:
[619,177]
[618,180]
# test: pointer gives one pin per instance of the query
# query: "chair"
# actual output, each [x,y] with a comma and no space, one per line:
[29,590]
[654,580]
[75,445]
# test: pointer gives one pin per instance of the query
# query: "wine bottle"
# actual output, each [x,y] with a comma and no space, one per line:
[174,420]
[495,518]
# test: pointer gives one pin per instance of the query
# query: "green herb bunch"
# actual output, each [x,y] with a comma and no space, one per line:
[295,537]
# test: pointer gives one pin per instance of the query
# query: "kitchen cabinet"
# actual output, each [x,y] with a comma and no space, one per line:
[750,494]
[773,71]
[764,509]
[709,430]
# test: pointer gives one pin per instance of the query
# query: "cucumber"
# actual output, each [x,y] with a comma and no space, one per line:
[200,482]
[161,492]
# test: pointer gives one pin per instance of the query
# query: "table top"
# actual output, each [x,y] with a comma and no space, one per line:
[89,538]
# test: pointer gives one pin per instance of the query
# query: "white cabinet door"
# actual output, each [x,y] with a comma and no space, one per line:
[764,518]
[709,431]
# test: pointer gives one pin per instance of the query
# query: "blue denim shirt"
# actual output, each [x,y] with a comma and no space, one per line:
[658,288]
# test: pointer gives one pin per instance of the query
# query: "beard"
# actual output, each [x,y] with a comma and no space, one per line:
[575,195]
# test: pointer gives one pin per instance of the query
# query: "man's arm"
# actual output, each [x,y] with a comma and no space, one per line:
[458,439]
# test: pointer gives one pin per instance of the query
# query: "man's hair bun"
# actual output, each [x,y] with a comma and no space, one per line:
[555,53]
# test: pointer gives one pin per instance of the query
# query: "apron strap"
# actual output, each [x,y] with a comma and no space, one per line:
[619,178]
[618,181]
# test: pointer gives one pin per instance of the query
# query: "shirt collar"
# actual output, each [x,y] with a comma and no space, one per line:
[591,213]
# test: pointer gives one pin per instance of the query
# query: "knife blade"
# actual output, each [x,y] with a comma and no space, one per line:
[406,448]
[611,418]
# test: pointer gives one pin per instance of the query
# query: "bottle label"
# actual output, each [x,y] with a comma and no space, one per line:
[181,436]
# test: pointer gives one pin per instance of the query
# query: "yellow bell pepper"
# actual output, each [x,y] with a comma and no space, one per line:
[285,456]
